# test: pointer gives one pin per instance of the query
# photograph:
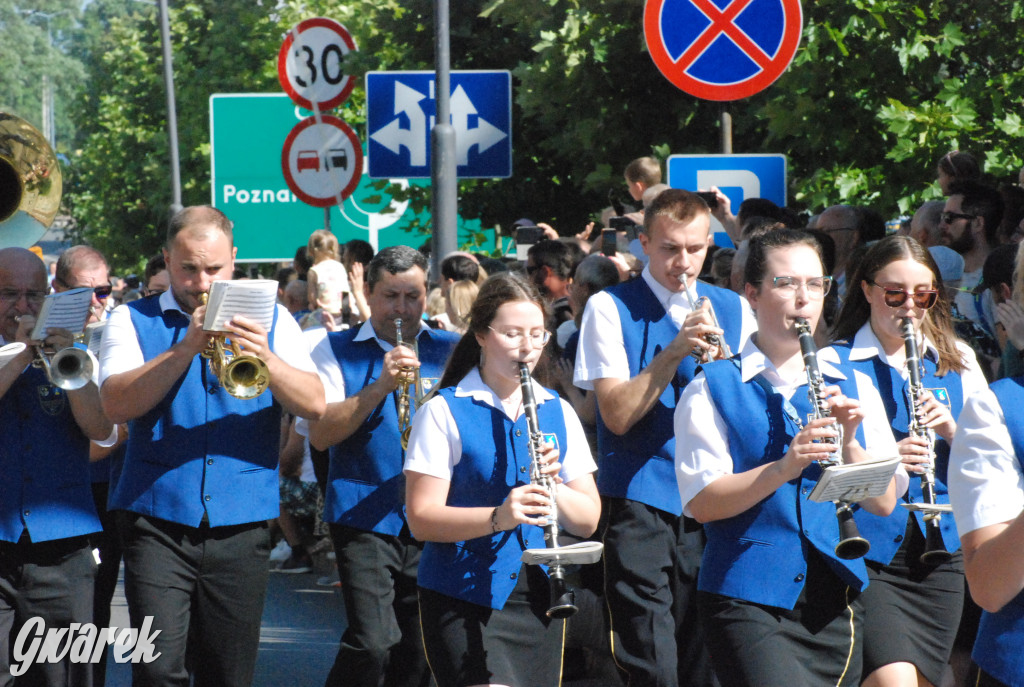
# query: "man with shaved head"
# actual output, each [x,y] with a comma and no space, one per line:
[46,507]
[200,476]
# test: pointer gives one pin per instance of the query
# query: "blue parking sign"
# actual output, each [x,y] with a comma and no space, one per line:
[737,176]
[401,110]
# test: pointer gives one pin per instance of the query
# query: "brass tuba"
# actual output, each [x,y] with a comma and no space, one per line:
[243,376]
[30,183]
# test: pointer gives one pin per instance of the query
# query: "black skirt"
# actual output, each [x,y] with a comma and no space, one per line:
[467,644]
[815,643]
[912,610]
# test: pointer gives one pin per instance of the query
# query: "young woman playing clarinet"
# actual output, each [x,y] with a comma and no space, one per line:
[897,304]
[781,608]
[469,496]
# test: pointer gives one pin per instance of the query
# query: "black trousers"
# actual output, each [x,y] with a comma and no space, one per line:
[51,580]
[382,644]
[203,587]
[651,566]
[108,542]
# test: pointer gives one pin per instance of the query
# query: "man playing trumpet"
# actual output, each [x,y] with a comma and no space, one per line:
[200,474]
[363,370]
[46,507]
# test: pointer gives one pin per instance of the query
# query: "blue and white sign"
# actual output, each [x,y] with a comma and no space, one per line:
[737,176]
[401,111]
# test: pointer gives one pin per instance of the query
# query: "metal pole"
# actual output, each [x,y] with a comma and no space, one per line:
[172,114]
[444,182]
[726,131]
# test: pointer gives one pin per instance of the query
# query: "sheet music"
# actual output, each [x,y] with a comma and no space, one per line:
[252,298]
[64,310]
[855,482]
[94,336]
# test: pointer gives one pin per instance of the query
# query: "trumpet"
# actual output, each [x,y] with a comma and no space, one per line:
[851,545]
[409,384]
[699,354]
[243,376]
[69,368]
[935,551]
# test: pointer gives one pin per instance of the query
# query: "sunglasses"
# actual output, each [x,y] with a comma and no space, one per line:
[102,292]
[895,298]
[949,217]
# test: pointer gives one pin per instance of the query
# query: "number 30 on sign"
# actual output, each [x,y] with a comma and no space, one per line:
[310,64]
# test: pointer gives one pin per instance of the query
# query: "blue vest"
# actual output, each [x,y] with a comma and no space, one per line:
[997,648]
[761,554]
[639,465]
[44,460]
[200,451]
[484,570]
[365,485]
[886,534]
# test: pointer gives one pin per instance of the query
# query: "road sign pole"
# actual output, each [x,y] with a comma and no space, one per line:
[444,183]
[726,131]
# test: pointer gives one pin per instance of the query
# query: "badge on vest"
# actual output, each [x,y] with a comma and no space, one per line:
[51,399]
[942,396]
[428,384]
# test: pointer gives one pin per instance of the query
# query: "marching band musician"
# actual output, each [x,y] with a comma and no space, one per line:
[779,606]
[986,488]
[912,608]
[46,506]
[377,557]
[200,479]
[636,341]
[470,497]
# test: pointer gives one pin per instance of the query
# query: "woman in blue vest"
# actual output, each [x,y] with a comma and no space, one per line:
[469,497]
[780,608]
[912,608]
[986,487]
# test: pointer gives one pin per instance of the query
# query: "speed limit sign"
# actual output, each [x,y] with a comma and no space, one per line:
[310,64]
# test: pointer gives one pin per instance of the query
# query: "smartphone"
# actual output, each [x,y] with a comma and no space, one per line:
[710,198]
[608,242]
[526,237]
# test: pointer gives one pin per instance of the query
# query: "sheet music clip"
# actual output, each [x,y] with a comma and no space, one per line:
[575,554]
[8,352]
[928,507]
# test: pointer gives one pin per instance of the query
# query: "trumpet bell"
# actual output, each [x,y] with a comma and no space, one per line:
[71,368]
[30,183]
[245,377]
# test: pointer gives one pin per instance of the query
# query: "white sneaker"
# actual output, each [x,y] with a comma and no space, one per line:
[281,552]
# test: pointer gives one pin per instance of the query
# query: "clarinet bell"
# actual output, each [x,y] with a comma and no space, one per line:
[851,545]
[934,548]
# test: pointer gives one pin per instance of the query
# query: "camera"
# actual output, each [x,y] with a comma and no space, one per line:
[608,241]
[624,224]
[710,198]
[526,237]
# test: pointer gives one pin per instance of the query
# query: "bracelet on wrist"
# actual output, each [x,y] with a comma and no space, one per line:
[494,521]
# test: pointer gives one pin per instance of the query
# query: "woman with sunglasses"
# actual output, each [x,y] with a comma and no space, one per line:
[912,608]
[779,607]
[469,497]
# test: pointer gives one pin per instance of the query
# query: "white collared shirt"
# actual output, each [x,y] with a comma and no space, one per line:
[435,443]
[866,346]
[121,352]
[602,348]
[986,482]
[702,438]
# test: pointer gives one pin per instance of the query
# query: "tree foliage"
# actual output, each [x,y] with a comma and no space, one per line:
[878,91]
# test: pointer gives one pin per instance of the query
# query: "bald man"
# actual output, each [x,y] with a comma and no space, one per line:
[46,506]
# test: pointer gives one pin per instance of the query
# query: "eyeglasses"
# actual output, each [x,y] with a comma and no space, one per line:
[895,298]
[102,291]
[949,217]
[14,295]
[514,337]
[817,287]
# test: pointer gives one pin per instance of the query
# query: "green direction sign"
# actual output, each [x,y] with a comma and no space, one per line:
[247,132]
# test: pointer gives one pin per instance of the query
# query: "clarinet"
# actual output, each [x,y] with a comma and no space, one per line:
[935,551]
[562,598]
[851,545]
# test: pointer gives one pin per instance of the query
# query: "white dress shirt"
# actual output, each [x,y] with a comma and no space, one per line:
[702,438]
[602,351]
[986,482]
[435,443]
